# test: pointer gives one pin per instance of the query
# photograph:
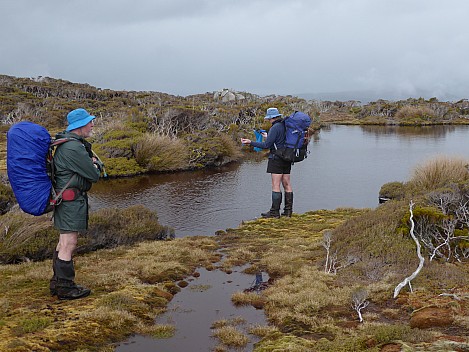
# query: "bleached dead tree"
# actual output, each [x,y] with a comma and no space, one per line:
[407,280]
[326,243]
[359,302]
[441,239]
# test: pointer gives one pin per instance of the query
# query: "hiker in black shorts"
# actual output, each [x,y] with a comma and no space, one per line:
[278,168]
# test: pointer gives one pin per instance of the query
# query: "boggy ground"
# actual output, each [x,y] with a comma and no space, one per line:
[131,285]
[307,309]
[312,310]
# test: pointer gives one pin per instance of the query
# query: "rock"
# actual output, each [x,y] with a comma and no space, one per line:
[431,317]
[227,95]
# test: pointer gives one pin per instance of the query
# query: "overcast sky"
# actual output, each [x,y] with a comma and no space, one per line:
[185,47]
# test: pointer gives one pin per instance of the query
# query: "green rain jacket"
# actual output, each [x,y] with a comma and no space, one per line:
[73,158]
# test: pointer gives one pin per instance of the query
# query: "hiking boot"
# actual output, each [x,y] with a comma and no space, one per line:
[271,214]
[274,211]
[53,286]
[53,280]
[68,290]
[288,209]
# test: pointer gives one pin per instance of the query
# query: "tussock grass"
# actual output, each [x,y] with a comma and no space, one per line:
[262,330]
[161,331]
[25,237]
[161,153]
[244,298]
[302,299]
[231,336]
[439,172]
[228,322]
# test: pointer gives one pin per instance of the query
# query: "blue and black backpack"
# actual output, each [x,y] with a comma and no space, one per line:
[30,167]
[296,138]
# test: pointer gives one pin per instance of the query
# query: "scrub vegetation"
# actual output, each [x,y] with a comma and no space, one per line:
[141,132]
[26,238]
[332,273]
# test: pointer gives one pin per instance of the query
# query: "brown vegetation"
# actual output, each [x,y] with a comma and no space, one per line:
[25,237]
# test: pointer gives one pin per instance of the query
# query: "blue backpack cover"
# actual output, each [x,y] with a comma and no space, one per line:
[296,143]
[27,150]
[296,126]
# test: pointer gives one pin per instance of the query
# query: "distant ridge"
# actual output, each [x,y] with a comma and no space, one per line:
[366,96]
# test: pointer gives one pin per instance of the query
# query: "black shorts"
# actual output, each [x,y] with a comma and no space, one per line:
[278,166]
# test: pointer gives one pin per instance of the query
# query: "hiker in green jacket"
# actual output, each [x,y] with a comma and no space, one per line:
[76,169]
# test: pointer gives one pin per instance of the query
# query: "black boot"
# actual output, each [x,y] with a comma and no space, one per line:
[288,209]
[66,287]
[274,211]
[53,280]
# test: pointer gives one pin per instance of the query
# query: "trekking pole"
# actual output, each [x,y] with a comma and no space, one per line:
[104,169]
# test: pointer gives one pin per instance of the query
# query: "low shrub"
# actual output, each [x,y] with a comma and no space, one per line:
[392,190]
[411,114]
[25,237]
[114,227]
[7,198]
[212,149]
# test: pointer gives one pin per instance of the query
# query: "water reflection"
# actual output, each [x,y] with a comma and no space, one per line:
[347,166]
[193,311]
[411,131]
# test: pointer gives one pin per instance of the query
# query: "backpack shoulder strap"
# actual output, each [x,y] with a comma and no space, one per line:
[56,142]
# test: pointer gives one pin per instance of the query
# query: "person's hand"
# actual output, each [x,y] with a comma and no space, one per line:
[264,134]
[245,141]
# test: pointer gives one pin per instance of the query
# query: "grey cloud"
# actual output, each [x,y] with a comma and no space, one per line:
[262,46]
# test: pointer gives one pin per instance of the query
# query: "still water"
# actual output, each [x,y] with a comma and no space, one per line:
[346,167]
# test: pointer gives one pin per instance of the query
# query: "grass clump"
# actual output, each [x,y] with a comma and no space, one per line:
[231,336]
[161,331]
[439,172]
[26,237]
[161,153]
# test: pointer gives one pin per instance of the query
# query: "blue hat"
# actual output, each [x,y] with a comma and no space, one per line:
[272,113]
[78,118]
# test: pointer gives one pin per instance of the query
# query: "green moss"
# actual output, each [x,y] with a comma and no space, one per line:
[33,324]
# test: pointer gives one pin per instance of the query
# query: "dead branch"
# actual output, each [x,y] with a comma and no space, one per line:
[407,280]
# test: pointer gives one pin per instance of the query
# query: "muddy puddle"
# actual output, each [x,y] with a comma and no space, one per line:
[193,311]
